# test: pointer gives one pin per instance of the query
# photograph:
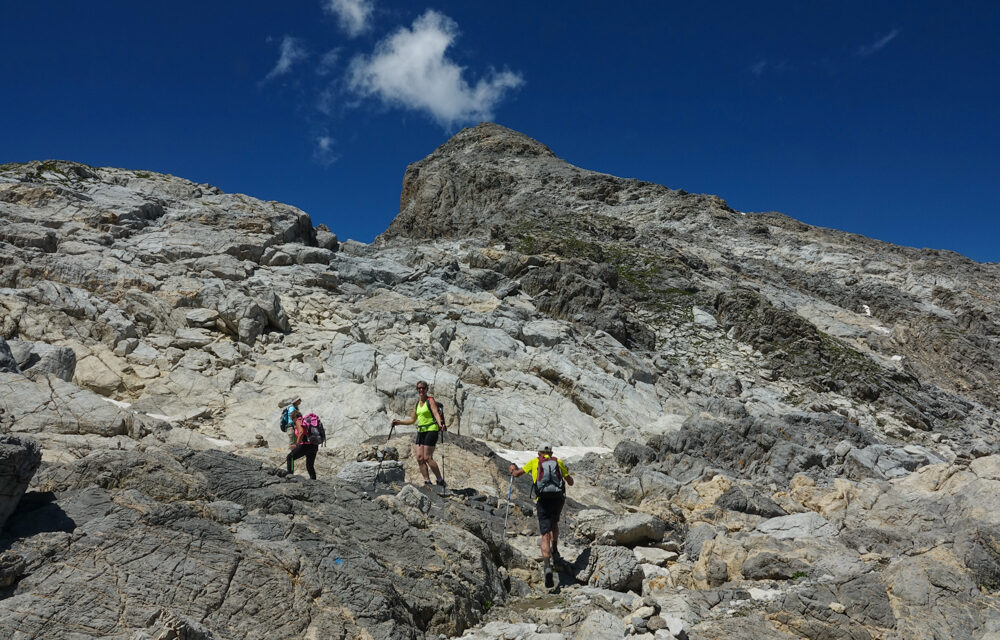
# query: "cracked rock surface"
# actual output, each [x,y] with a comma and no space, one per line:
[777,430]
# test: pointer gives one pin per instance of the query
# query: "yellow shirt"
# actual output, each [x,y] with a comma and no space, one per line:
[532,467]
[425,419]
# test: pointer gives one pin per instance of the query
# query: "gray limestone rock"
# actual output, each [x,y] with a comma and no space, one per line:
[811,367]
[771,566]
[749,499]
[716,571]
[204,318]
[628,530]
[8,363]
[325,544]
[19,459]
[600,625]
[697,535]
[882,462]
[797,525]
[629,454]
[614,568]
[55,406]
[363,473]
[29,236]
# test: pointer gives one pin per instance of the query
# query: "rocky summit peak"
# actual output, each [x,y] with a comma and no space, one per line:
[776,430]
[490,176]
[491,139]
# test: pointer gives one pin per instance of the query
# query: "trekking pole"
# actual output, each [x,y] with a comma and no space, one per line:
[382,457]
[442,453]
[510,486]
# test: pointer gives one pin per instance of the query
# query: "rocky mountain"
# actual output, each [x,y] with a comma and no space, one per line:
[792,429]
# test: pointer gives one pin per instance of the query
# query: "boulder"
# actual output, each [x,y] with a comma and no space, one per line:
[698,534]
[628,454]
[204,318]
[55,406]
[797,525]
[544,333]
[363,473]
[773,566]
[600,625]
[8,363]
[629,530]
[37,359]
[614,568]
[748,499]
[19,459]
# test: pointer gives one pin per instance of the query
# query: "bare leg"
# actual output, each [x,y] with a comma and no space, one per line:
[430,462]
[420,452]
[546,546]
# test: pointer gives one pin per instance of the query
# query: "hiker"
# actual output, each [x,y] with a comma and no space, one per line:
[286,423]
[429,422]
[550,477]
[303,446]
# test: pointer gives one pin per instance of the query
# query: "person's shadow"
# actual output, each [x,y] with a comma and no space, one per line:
[568,571]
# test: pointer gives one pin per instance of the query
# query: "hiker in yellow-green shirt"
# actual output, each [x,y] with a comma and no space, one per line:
[550,477]
[429,423]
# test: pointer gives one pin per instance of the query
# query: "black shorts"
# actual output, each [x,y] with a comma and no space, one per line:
[427,438]
[549,510]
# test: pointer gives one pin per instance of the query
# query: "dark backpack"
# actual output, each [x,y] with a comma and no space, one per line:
[286,418]
[314,427]
[550,479]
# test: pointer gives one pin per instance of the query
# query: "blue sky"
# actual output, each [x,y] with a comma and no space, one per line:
[879,118]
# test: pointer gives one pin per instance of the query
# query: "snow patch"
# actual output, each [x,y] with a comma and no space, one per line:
[566,454]
[896,358]
[160,416]
[883,330]
[117,403]
[867,309]
[218,442]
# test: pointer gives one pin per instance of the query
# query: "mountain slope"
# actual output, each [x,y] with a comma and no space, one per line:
[746,369]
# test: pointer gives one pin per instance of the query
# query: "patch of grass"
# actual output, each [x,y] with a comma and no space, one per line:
[799,574]
[50,167]
[143,174]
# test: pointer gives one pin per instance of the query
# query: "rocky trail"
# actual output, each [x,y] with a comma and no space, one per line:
[777,430]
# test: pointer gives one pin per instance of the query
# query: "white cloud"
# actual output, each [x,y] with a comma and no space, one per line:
[292,51]
[409,69]
[353,15]
[328,61]
[758,67]
[324,152]
[874,47]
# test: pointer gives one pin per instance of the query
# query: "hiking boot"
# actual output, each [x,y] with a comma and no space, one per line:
[441,482]
[548,578]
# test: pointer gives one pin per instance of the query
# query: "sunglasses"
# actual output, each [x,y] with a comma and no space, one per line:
[421,388]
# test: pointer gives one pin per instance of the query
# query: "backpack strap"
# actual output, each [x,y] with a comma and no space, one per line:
[432,404]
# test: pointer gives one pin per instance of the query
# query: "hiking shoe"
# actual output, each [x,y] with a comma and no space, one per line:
[548,578]
[441,482]
[428,483]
